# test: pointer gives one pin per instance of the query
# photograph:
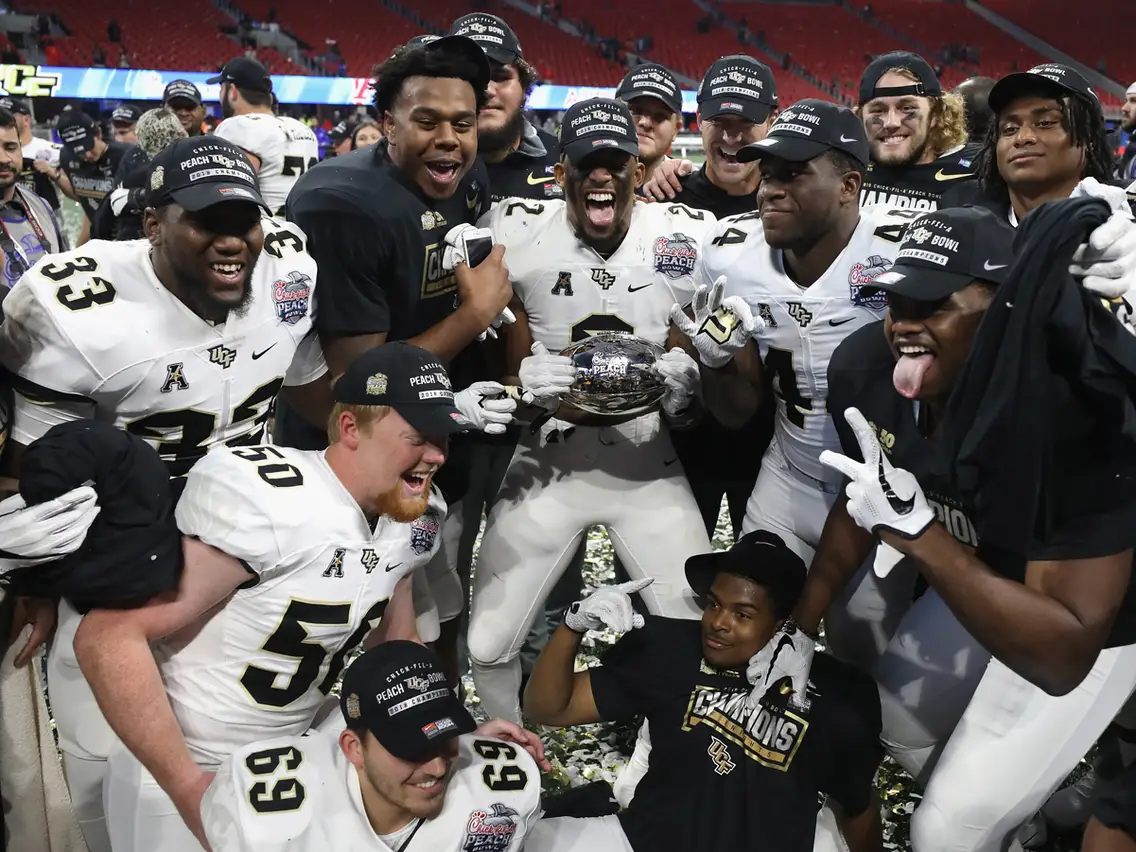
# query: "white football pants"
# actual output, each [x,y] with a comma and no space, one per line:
[626,478]
[85,738]
[141,817]
[990,746]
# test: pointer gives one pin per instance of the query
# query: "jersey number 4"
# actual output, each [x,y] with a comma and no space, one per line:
[780,363]
[291,641]
[287,793]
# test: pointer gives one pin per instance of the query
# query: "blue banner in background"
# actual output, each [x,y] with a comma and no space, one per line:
[129,84]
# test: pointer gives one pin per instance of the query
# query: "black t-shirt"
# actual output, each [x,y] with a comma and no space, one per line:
[525,173]
[997,200]
[93,182]
[127,225]
[721,776]
[699,192]
[378,241]
[919,187]
[1089,519]
[39,183]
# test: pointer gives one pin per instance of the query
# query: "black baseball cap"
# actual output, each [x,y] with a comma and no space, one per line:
[419,40]
[410,380]
[182,89]
[1051,77]
[244,73]
[808,129]
[199,172]
[946,250]
[125,114]
[597,124]
[344,130]
[78,131]
[761,556]
[651,81]
[737,85]
[15,105]
[491,34]
[927,84]
[398,692]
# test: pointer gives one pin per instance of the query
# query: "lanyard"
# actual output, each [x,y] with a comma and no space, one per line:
[11,248]
[406,842]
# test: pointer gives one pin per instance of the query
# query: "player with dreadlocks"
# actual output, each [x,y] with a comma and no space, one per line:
[1047,136]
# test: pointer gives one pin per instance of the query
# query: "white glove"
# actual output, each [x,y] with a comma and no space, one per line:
[879,496]
[553,430]
[454,253]
[607,607]
[684,382]
[506,317]
[118,200]
[545,377]
[1106,264]
[788,656]
[487,405]
[720,327]
[32,535]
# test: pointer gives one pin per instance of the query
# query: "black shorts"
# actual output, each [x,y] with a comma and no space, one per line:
[1116,802]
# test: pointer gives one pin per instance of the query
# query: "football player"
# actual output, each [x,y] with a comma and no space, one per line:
[798,272]
[596,262]
[291,558]
[411,770]
[737,100]
[917,134]
[653,95]
[280,148]
[1004,673]
[184,339]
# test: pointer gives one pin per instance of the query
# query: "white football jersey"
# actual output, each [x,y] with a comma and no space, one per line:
[804,325]
[302,795]
[285,147]
[263,663]
[570,292]
[92,333]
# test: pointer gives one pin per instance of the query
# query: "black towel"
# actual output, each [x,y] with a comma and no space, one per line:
[1046,348]
[133,549]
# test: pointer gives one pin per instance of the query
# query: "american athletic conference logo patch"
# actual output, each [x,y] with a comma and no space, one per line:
[675,255]
[293,295]
[424,531]
[861,276]
[490,829]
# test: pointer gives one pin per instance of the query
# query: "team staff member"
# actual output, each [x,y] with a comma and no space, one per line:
[28,228]
[41,172]
[652,94]
[1039,637]
[917,133]
[737,100]
[403,774]
[376,219]
[280,148]
[520,156]
[89,162]
[1048,134]
[184,98]
[723,775]
[121,218]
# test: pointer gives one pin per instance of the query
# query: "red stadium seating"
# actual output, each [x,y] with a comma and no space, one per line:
[188,40]
[366,31]
[1088,31]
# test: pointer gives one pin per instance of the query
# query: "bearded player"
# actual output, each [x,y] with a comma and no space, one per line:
[291,558]
[411,770]
[184,339]
[279,147]
[594,262]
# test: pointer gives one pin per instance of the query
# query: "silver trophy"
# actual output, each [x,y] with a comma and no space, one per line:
[614,374]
